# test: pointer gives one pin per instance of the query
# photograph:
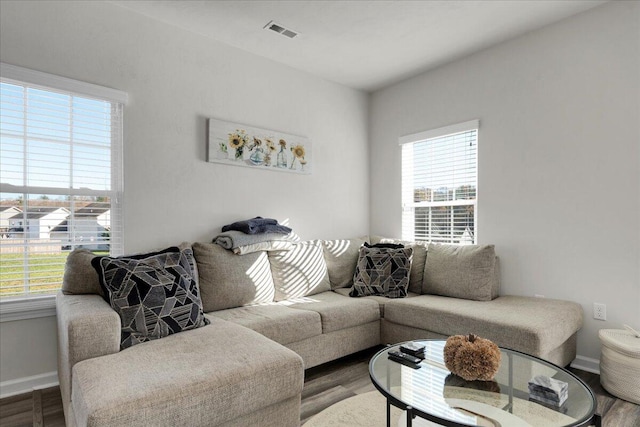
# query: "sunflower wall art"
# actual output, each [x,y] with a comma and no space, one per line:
[241,145]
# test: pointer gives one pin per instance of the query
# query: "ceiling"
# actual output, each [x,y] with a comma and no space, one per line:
[362,44]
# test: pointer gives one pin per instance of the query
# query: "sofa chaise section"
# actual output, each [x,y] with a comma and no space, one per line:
[541,327]
[214,375]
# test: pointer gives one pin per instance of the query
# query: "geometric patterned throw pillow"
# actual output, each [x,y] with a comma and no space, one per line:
[154,294]
[382,271]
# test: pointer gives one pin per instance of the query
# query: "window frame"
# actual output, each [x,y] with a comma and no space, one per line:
[25,306]
[408,204]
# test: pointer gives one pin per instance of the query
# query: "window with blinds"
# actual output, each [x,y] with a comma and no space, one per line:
[439,184]
[60,177]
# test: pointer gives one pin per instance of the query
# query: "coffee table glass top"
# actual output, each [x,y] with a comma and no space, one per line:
[439,396]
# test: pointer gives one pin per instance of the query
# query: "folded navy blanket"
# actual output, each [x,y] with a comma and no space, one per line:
[257,225]
[234,239]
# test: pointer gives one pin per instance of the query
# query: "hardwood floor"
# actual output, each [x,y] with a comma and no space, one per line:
[323,386]
[616,412]
[40,408]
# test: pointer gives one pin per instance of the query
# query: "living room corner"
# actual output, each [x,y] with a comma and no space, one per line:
[556,109]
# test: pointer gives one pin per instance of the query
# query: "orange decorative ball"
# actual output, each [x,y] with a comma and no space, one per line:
[471,357]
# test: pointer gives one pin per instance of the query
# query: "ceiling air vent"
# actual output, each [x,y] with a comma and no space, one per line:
[280,29]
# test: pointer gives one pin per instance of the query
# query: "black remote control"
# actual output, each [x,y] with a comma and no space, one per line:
[404,358]
[413,349]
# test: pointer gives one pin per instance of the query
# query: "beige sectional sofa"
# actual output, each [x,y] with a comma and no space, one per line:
[272,315]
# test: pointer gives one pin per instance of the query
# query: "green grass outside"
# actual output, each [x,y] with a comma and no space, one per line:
[45,273]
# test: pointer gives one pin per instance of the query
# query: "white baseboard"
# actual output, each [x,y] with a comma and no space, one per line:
[586,364]
[28,384]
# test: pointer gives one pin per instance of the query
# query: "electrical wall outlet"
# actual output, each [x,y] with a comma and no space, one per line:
[599,311]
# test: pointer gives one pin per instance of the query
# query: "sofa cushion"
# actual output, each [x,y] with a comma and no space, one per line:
[274,321]
[416,277]
[154,294]
[336,311]
[461,272]
[532,325]
[382,271]
[228,280]
[299,272]
[341,257]
[380,300]
[204,377]
[79,275]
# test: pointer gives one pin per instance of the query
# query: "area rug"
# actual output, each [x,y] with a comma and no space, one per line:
[370,410]
[363,410]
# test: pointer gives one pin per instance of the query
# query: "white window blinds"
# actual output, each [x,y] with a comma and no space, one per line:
[439,184]
[60,176]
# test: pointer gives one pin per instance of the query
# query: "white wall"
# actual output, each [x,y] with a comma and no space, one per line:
[175,80]
[559,160]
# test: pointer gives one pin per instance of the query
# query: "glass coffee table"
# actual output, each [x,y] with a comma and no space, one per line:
[438,397]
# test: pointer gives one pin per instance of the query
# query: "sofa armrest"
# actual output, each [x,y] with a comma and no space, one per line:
[87,327]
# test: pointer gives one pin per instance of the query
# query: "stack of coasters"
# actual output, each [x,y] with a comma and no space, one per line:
[548,390]
[413,349]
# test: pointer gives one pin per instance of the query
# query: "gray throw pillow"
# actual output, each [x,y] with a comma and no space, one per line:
[382,271]
[341,257]
[466,272]
[228,280]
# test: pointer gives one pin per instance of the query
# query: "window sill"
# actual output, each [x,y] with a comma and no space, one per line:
[27,308]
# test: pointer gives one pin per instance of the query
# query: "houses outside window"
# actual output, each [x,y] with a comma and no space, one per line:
[439,184]
[60,178]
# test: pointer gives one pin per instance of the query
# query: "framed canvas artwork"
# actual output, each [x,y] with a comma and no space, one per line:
[241,145]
